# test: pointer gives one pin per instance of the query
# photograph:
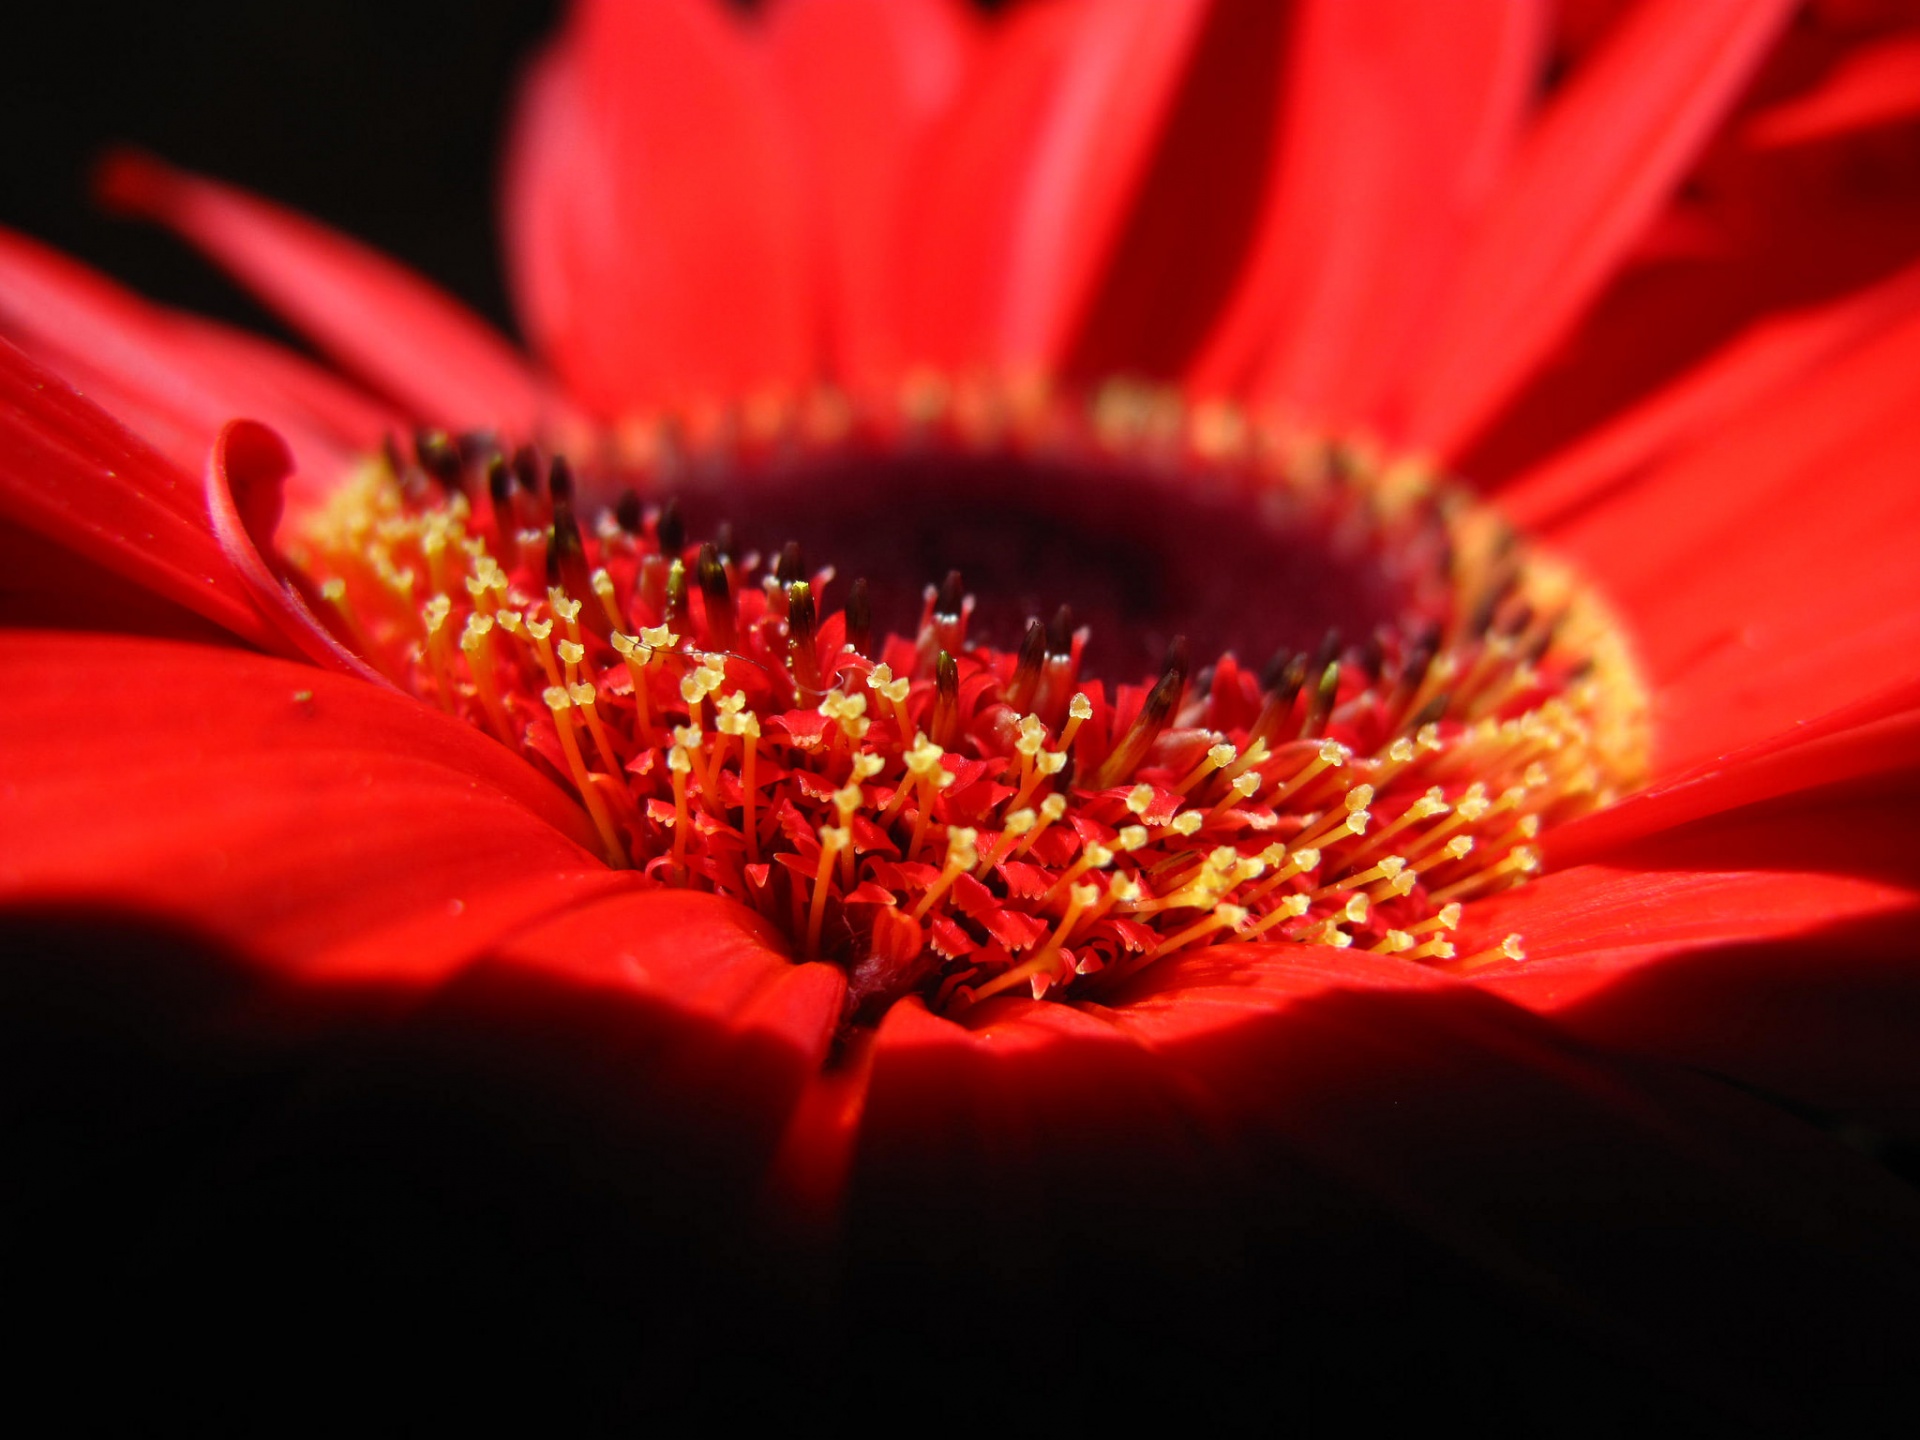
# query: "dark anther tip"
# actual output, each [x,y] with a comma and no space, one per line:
[1163,699]
[1329,651]
[1033,647]
[1275,669]
[560,480]
[800,616]
[1515,625]
[1373,658]
[671,528]
[952,595]
[627,513]
[499,482]
[476,447]
[859,617]
[1179,657]
[439,457]
[791,567]
[528,471]
[1060,632]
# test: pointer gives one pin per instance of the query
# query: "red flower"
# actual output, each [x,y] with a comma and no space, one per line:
[324,994]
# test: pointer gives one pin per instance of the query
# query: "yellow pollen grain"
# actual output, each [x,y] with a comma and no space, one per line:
[1242,788]
[602,584]
[1218,757]
[1079,711]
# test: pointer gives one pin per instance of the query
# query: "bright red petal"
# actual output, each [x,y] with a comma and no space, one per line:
[310,821]
[655,217]
[69,471]
[1027,185]
[1582,191]
[46,586]
[174,379]
[246,473]
[1766,574]
[865,78]
[1822,752]
[1194,210]
[1400,119]
[1765,360]
[378,318]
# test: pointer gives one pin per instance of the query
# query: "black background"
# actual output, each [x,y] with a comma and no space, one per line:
[384,120]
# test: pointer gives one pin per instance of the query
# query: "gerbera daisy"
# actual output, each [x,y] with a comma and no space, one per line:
[1143,680]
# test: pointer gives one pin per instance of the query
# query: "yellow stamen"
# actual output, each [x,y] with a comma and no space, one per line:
[560,702]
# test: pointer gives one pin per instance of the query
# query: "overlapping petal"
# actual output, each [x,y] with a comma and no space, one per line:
[72,473]
[865,80]
[657,233]
[1591,174]
[391,326]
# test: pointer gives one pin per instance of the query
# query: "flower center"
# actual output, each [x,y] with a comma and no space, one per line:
[1187,680]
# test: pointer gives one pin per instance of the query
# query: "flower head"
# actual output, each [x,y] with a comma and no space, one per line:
[1130,922]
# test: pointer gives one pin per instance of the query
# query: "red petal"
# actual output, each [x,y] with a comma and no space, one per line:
[310,821]
[1789,865]
[175,380]
[69,471]
[1334,1167]
[1194,209]
[1821,753]
[1764,360]
[1877,84]
[1400,118]
[655,217]
[1027,185]
[46,586]
[245,474]
[1582,191]
[1766,574]
[1826,1018]
[865,78]
[689,1023]
[1771,942]
[374,315]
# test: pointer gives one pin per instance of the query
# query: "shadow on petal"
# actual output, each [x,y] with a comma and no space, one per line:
[231,1190]
[1365,1201]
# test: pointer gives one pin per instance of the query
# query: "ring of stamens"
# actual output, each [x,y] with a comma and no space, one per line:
[945,817]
